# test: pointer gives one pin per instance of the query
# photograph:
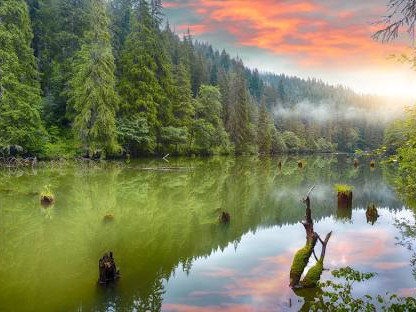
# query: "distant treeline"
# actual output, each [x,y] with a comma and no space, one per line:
[110,78]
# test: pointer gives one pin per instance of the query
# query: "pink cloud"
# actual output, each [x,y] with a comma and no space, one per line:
[310,33]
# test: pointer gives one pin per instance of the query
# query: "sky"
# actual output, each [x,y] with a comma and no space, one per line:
[326,39]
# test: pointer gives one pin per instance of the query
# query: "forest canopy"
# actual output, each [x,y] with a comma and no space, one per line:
[110,78]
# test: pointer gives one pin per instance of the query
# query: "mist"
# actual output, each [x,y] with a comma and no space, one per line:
[326,111]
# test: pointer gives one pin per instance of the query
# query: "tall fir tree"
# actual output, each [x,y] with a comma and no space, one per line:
[20,122]
[240,127]
[92,97]
[264,130]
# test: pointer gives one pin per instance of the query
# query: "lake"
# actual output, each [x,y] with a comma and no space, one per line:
[172,252]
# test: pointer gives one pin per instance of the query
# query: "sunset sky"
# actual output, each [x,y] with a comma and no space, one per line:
[326,39]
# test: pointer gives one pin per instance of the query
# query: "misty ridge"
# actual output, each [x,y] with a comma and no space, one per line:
[329,111]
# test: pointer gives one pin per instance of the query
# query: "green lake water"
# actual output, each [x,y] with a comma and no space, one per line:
[168,244]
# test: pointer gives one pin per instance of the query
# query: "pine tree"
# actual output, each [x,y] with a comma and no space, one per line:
[139,86]
[264,135]
[240,128]
[92,95]
[20,122]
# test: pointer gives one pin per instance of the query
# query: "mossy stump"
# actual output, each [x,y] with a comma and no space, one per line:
[47,200]
[107,269]
[356,163]
[345,200]
[225,217]
[313,276]
[371,214]
[108,218]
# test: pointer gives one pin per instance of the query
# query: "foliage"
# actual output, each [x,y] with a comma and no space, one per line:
[292,142]
[92,94]
[152,89]
[19,87]
[339,297]
[135,136]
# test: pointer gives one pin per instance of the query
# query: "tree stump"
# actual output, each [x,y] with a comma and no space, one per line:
[356,163]
[107,269]
[47,200]
[371,214]
[225,218]
[345,200]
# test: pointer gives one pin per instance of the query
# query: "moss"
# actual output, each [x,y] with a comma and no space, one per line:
[314,275]
[300,261]
[46,196]
[343,189]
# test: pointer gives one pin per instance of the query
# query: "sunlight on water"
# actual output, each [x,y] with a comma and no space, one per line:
[168,244]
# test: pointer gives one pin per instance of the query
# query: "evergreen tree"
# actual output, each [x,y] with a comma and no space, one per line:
[240,127]
[20,122]
[92,94]
[139,86]
[208,133]
[264,130]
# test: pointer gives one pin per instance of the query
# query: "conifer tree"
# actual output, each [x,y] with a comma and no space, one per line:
[20,122]
[92,96]
[240,127]
[139,86]
[264,131]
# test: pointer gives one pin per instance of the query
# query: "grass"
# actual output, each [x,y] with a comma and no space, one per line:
[343,188]
[46,192]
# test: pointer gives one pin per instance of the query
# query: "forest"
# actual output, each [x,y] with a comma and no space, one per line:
[112,79]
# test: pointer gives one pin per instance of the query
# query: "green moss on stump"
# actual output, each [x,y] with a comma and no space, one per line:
[343,189]
[300,261]
[313,276]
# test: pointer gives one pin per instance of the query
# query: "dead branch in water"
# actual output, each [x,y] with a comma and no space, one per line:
[302,256]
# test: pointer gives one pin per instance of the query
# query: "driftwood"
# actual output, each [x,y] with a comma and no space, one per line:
[107,269]
[302,256]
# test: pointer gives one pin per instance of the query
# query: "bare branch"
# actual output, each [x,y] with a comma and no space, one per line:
[401,16]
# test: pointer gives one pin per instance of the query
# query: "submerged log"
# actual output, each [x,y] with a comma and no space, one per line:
[225,217]
[107,269]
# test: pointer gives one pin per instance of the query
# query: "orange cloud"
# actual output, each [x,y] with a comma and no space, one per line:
[311,33]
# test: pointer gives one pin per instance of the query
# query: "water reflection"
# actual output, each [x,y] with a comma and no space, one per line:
[171,251]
